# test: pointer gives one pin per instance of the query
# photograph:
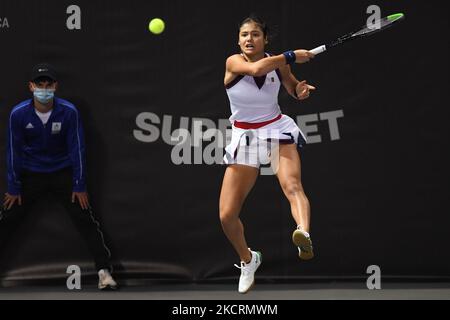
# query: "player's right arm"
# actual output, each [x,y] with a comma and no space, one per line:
[14,161]
[237,65]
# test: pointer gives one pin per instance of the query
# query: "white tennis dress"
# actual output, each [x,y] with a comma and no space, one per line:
[257,122]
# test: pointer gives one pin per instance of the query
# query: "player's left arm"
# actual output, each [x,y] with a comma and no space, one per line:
[300,90]
[76,147]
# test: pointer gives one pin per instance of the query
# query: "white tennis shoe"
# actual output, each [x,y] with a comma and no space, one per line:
[303,241]
[247,279]
[105,280]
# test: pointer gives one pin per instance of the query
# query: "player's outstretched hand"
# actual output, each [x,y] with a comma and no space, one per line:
[303,90]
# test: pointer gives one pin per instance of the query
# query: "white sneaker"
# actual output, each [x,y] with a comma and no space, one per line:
[247,279]
[105,280]
[303,241]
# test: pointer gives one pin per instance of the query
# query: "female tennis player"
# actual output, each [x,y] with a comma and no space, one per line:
[252,80]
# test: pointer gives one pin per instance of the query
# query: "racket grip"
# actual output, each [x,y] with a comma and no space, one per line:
[319,49]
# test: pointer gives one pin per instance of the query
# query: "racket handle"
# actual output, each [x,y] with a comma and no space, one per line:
[319,49]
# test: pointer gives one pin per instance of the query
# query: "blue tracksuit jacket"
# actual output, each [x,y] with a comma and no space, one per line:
[33,146]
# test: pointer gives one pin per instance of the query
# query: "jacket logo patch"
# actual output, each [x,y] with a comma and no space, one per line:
[56,127]
[270,80]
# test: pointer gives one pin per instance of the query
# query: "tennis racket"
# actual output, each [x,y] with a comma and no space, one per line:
[381,24]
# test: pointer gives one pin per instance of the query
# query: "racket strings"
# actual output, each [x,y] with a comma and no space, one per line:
[377,26]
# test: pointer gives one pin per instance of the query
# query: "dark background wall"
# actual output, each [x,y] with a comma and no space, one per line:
[379,193]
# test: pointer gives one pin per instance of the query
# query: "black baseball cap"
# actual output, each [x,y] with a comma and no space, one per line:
[43,70]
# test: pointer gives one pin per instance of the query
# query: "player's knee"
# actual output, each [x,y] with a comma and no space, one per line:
[292,188]
[228,214]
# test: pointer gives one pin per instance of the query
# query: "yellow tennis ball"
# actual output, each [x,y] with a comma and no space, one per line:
[156,26]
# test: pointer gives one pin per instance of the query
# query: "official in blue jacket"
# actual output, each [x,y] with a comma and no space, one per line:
[46,153]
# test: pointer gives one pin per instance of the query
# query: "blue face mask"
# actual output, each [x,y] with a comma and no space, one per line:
[44,95]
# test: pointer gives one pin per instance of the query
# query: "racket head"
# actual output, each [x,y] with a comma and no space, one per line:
[379,25]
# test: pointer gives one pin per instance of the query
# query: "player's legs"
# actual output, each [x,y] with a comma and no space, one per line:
[10,220]
[84,220]
[289,176]
[33,188]
[237,183]
[9,223]
[89,227]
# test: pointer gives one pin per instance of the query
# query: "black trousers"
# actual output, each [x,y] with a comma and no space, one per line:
[59,184]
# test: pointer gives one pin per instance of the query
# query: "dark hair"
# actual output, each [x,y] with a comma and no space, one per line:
[253,17]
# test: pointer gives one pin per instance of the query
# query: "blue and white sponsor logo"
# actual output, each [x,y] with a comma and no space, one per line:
[56,127]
